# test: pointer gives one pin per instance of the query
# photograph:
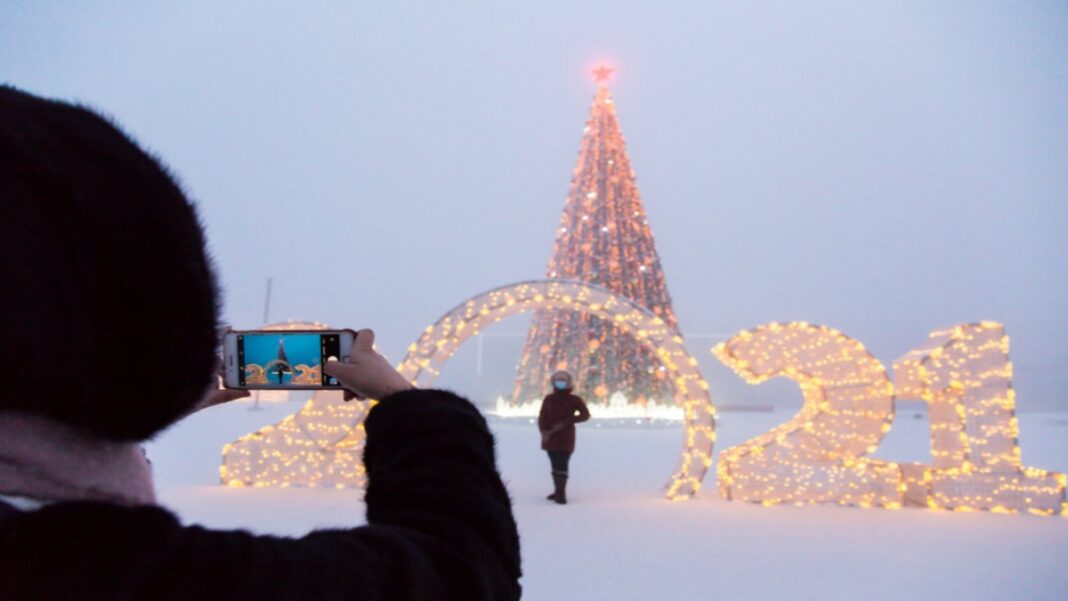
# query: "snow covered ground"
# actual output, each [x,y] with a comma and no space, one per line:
[620,539]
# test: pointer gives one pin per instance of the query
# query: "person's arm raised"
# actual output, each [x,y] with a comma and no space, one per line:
[583,411]
[440,523]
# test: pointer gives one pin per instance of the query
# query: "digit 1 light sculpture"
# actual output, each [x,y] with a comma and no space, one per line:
[965,376]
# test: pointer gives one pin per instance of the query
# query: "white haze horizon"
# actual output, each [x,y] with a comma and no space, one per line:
[886,169]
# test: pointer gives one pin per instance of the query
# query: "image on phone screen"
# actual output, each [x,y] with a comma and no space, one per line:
[281,359]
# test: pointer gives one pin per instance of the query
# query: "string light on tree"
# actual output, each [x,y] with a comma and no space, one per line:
[603,239]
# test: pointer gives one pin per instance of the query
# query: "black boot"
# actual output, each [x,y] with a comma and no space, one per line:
[560,494]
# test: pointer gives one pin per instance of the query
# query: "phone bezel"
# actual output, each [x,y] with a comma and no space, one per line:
[230,372]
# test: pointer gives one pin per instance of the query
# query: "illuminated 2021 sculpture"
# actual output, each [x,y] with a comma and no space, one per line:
[321,444]
[821,456]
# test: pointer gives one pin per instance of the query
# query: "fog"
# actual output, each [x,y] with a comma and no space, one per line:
[882,168]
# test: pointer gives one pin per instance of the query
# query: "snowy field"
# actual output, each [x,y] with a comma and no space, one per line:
[620,539]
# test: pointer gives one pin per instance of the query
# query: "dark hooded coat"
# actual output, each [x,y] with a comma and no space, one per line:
[440,527]
[565,409]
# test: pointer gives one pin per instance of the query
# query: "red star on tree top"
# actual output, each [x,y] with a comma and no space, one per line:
[602,73]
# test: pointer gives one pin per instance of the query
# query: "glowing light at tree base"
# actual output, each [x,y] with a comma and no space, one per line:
[613,410]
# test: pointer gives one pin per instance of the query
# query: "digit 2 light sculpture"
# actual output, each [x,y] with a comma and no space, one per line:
[821,455]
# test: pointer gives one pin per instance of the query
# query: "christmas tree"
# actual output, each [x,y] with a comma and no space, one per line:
[603,239]
[280,365]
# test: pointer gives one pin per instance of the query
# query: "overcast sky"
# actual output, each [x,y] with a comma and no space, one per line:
[882,168]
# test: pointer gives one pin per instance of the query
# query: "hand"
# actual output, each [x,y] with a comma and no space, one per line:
[216,394]
[553,429]
[366,373]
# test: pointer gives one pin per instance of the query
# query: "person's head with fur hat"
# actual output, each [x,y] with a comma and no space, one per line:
[562,381]
[109,311]
[110,303]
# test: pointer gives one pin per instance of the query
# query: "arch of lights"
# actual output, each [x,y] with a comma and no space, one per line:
[321,444]
[441,340]
[822,454]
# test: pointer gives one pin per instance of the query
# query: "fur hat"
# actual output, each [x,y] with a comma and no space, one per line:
[563,375]
[108,315]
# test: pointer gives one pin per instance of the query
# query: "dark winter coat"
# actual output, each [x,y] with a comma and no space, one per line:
[566,409]
[439,527]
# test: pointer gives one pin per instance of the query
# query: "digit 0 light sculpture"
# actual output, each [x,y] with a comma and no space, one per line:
[320,445]
[654,335]
[965,376]
[603,239]
[821,455]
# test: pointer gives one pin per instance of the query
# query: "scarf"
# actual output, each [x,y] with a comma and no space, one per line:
[48,461]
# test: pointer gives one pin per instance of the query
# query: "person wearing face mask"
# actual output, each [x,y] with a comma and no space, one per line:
[560,411]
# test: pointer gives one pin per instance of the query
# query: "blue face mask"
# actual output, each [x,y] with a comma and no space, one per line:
[560,385]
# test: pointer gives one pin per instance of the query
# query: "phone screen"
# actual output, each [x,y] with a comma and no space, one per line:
[281,359]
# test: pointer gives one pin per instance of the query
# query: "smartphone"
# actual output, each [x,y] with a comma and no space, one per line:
[283,359]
